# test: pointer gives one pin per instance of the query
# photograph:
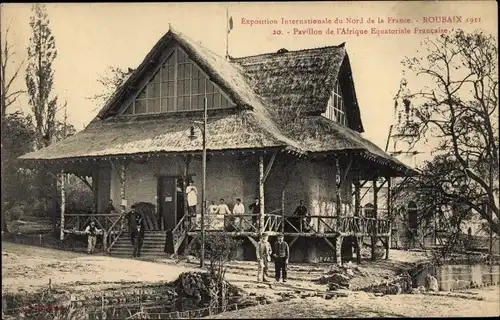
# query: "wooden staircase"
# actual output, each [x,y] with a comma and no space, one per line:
[153,245]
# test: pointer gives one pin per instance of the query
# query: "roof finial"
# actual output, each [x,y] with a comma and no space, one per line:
[169,26]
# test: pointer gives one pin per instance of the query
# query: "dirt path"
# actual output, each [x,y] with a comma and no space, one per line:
[30,268]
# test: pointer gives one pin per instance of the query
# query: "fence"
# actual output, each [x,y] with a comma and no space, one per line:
[191,314]
[45,240]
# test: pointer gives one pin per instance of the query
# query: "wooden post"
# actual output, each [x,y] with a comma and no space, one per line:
[122,175]
[103,314]
[261,194]
[63,203]
[375,208]
[357,198]
[283,211]
[338,184]
[338,250]
[389,217]
[358,249]
[123,171]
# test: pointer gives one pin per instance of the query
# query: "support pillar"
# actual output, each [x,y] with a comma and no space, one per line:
[389,217]
[338,199]
[63,202]
[283,211]
[358,249]
[261,194]
[122,172]
[123,202]
[338,250]
[357,198]
[375,208]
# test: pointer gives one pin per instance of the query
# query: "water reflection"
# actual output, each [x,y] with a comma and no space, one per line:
[453,277]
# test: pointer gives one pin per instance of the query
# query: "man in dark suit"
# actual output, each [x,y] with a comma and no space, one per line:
[136,230]
[281,254]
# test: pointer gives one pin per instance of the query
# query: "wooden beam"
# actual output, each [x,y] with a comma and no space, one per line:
[269,166]
[329,243]
[357,198]
[382,185]
[63,203]
[122,177]
[389,217]
[346,172]
[261,193]
[338,250]
[252,240]
[293,241]
[283,211]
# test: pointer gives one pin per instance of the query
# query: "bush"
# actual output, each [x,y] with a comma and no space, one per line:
[15,213]
[219,248]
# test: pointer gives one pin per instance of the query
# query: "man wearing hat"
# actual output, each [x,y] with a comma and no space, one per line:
[264,251]
[281,256]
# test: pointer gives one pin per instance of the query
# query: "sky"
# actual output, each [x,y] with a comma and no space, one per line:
[90,37]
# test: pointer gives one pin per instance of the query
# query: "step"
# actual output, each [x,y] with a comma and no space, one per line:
[130,252]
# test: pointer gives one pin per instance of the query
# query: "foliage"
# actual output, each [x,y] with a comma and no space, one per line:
[111,81]
[40,75]
[18,135]
[461,112]
[219,247]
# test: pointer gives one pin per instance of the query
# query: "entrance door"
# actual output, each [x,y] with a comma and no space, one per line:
[167,202]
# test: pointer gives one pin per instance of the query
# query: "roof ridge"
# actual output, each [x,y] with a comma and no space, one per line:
[183,35]
[342,45]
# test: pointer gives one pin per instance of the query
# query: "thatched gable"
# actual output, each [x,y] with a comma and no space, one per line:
[303,79]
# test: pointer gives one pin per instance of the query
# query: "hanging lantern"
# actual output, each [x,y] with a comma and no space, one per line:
[192,134]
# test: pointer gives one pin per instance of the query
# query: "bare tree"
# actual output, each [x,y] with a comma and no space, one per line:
[114,78]
[40,75]
[8,97]
[460,110]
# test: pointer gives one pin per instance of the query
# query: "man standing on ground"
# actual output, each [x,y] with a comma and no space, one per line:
[92,232]
[137,235]
[281,256]
[263,257]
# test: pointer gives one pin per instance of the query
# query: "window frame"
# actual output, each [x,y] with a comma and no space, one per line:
[335,109]
[203,75]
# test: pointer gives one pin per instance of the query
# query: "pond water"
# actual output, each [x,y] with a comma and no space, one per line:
[453,277]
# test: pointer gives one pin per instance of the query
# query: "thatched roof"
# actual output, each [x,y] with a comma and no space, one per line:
[257,85]
[302,79]
[129,136]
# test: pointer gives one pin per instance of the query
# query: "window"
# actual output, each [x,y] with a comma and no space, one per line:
[335,109]
[179,85]
[369,211]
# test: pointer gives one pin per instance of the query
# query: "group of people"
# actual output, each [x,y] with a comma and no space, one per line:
[136,228]
[280,253]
